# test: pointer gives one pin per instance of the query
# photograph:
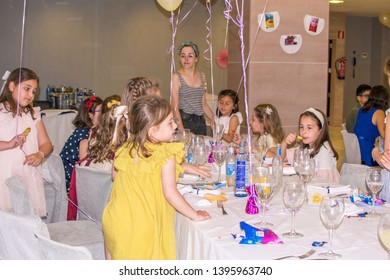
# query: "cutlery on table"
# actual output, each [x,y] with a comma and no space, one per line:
[220,205]
[304,256]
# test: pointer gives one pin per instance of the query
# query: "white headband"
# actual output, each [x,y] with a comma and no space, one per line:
[317,114]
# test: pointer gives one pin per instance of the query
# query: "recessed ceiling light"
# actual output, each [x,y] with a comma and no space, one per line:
[336,1]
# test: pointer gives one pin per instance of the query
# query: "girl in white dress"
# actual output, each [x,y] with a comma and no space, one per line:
[313,129]
[24,142]
[227,114]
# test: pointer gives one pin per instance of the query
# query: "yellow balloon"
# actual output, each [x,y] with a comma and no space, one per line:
[384,18]
[169,5]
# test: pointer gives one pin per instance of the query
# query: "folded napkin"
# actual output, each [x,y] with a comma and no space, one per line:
[315,192]
[352,210]
[288,170]
[200,197]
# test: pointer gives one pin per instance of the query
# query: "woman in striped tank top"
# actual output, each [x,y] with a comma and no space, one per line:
[189,92]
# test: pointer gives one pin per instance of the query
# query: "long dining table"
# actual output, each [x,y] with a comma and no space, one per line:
[356,237]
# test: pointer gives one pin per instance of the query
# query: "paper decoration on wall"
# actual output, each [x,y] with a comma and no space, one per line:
[269,21]
[313,25]
[291,43]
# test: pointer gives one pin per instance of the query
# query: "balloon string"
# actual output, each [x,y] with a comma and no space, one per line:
[254,42]
[20,66]
[239,21]
[209,40]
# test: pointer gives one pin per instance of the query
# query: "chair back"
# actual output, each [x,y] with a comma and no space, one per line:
[93,188]
[351,148]
[354,175]
[19,197]
[17,240]
[52,250]
[55,191]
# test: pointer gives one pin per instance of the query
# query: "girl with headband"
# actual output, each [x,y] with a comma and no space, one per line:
[314,134]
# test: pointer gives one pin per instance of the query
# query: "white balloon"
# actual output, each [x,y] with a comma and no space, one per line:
[169,5]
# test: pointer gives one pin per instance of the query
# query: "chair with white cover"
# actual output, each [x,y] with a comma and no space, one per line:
[18,195]
[19,228]
[351,148]
[93,187]
[354,175]
[52,250]
[55,190]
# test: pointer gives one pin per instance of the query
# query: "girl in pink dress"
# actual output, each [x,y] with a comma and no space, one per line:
[24,142]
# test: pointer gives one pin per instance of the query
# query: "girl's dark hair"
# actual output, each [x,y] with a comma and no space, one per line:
[324,135]
[233,95]
[146,112]
[17,76]
[378,98]
[89,105]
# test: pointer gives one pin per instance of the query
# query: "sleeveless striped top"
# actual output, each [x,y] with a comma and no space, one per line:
[190,98]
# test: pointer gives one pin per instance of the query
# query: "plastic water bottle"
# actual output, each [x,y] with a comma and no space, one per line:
[277,165]
[48,91]
[241,160]
[231,166]
[190,151]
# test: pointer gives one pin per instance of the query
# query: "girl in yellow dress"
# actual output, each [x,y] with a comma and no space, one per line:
[138,221]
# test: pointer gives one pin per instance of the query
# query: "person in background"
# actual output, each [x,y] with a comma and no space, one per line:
[266,122]
[141,86]
[24,142]
[189,89]
[370,122]
[138,221]
[362,93]
[228,114]
[76,147]
[314,131]
[383,157]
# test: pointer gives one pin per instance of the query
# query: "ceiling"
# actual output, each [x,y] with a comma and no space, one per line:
[369,8]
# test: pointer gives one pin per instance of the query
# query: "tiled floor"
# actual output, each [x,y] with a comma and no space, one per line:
[338,144]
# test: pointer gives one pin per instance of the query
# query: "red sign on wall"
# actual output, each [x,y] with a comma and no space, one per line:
[340,34]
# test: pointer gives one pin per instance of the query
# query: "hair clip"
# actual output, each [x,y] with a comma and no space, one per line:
[112,103]
[268,110]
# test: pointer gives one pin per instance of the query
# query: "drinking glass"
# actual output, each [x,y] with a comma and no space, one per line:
[306,168]
[219,154]
[374,180]
[185,136]
[260,148]
[293,198]
[265,184]
[332,210]
[201,153]
[384,232]
[217,132]
[300,155]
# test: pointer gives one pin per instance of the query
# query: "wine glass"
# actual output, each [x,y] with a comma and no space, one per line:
[293,198]
[201,153]
[384,232]
[374,180]
[185,136]
[306,168]
[219,154]
[299,155]
[217,132]
[265,184]
[260,148]
[332,210]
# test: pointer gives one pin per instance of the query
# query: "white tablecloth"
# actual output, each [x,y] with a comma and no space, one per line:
[59,126]
[356,238]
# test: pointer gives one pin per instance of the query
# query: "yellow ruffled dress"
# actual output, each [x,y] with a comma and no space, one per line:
[138,222]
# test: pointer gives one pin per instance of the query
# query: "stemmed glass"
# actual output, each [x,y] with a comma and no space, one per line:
[260,148]
[219,154]
[306,168]
[300,155]
[384,232]
[293,198]
[332,210]
[374,180]
[265,184]
[217,132]
[201,153]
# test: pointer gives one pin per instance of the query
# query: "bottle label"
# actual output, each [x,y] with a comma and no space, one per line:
[240,174]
